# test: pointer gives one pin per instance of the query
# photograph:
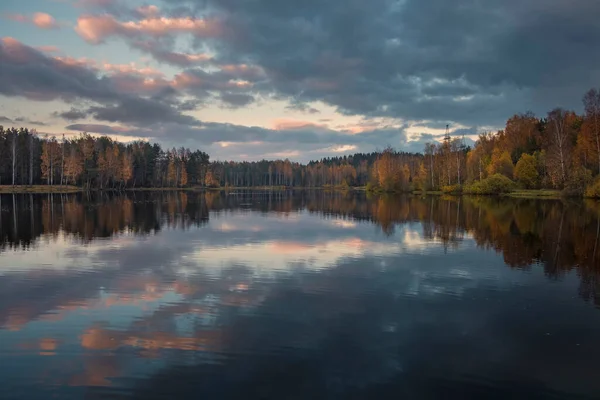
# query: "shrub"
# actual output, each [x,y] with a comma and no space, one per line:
[577,183]
[344,185]
[371,187]
[526,171]
[593,190]
[495,184]
[452,189]
[501,163]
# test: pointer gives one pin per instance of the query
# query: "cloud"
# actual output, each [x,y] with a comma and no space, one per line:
[44,21]
[71,115]
[39,19]
[142,112]
[308,140]
[31,74]
[17,18]
[303,107]
[291,124]
[167,56]
[236,99]
[467,63]
[29,121]
[95,128]
[132,68]
[48,49]
[148,11]
[97,28]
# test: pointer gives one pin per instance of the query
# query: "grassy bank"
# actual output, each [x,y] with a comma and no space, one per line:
[39,189]
[525,194]
[536,194]
[42,189]
[428,192]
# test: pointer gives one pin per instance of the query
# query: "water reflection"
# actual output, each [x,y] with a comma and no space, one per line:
[297,295]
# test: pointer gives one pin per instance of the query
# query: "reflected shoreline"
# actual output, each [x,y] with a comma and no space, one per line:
[557,235]
[249,295]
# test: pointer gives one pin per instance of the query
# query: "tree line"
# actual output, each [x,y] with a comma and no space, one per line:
[26,158]
[90,162]
[559,151]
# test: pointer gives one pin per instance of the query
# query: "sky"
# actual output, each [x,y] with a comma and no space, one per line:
[254,79]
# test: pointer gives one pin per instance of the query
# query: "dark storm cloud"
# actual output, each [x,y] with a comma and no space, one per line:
[466,61]
[93,128]
[160,50]
[296,106]
[236,99]
[140,112]
[29,121]
[28,73]
[72,115]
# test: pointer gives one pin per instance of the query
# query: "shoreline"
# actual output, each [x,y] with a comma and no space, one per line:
[69,189]
[39,189]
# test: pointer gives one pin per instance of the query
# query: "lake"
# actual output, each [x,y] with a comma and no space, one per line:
[311,294]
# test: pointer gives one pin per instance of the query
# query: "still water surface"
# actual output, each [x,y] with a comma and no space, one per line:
[295,296]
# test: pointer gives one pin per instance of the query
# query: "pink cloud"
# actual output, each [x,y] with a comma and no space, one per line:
[170,57]
[182,58]
[39,19]
[125,77]
[44,21]
[243,71]
[17,18]
[218,81]
[111,69]
[131,69]
[48,49]
[342,148]
[292,124]
[76,62]
[95,29]
[148,11]
[16,50]
[186,80]
[140,85]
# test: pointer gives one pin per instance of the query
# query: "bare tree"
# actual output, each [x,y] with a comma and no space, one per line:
[62,161]
[14,154]
[31,134]
[456,147]
[430,150]
[560,140]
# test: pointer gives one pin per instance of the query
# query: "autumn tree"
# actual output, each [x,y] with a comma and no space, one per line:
[50,158]
[501,163]
[183,178]
[73,164]
[520,135]
[126,171]
[526,171]
[559,142]
[591,124]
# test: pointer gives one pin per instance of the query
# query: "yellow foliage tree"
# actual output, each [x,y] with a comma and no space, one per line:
[501,163]
[526,171]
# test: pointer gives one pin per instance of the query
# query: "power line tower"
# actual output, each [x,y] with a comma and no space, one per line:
[447,135]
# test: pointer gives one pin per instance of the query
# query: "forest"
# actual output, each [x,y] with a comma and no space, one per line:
[559,151]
